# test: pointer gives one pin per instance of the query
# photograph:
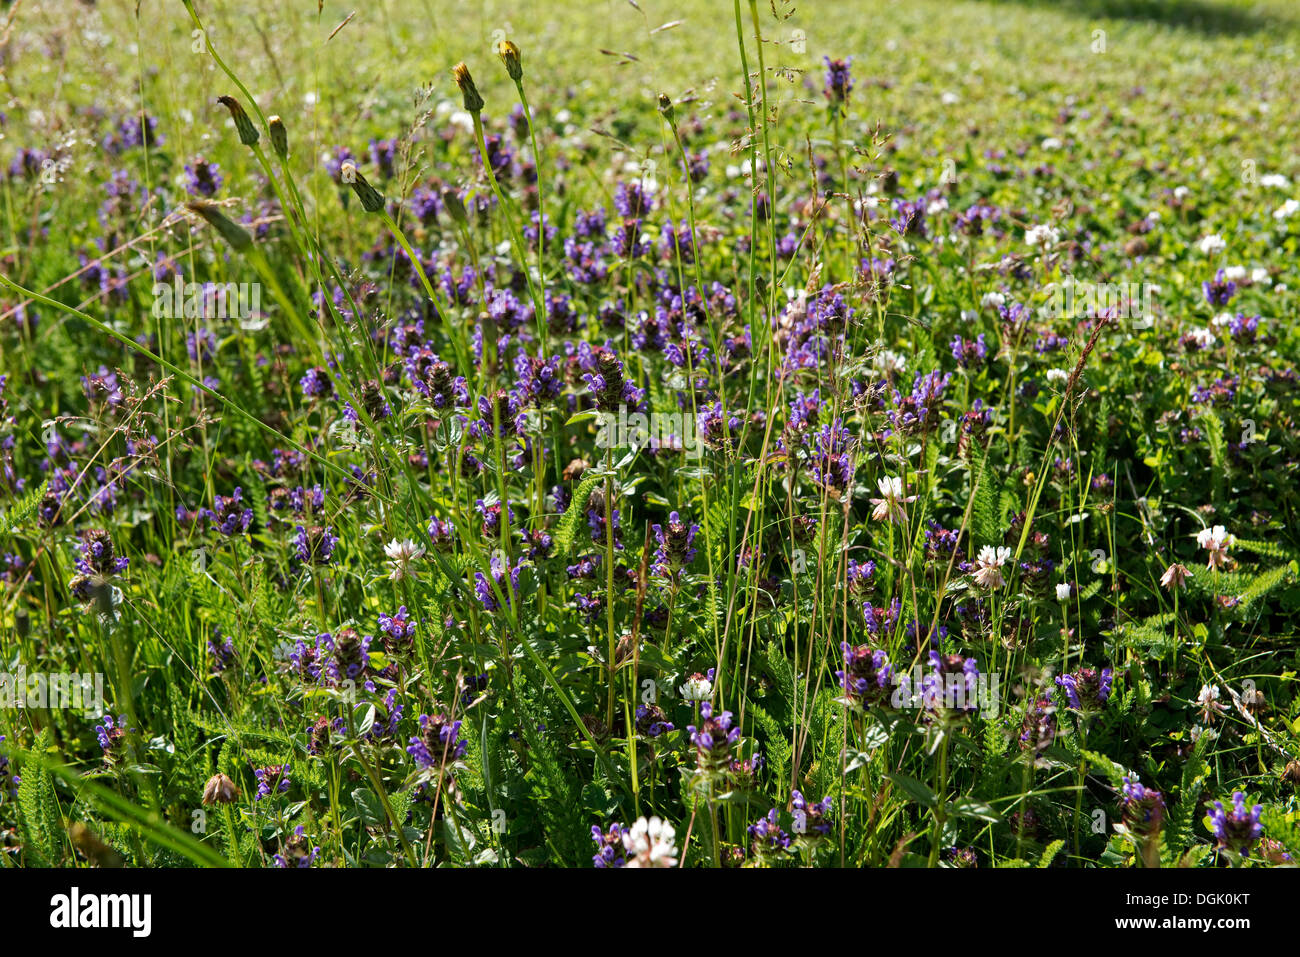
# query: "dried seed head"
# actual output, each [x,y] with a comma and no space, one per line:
[509,54]
[473,102]
[279,136]
[247,131]
[220,790]
[372,201]
[237,236]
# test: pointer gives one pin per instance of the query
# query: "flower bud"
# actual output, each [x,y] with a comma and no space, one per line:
[372,201]
[236,236]
[473,102]
[455,207]
[247,131]
[666,107]
[279,136]
[509,54]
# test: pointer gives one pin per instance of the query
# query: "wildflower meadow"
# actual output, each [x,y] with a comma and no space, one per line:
[649,435]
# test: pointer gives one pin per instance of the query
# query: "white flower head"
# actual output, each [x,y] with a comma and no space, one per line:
[994,299]
[696,688]
[400,555]
[889,507]
[1044,234]
[1260,277]
[1234,273]
[989,562]
[1057,375]
[1063,591]
[1216,541]
[1274,181]
[1286,210]
[650,843]
[1051,143]
[1212,245]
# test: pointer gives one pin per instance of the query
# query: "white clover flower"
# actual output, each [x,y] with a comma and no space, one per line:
[1203,337]
[1223,319]
[1234,273]
[462,121]
[1260,277]
[400,555]
[994,299]
[1063,591]
[1043,234]
[1216,541]
[1181,192]
[949,98]
[890,506]
[1051,143]
[990,560]
[697,688]
[1057,375]
[936,207]
[888,361]
[1286,210]
[650,843]
[1208,704]
[1212,245]
[1274,181]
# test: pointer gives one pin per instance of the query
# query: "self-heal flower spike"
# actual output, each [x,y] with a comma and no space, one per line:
[473,102]
[1238,828]
[1144,809]
[243,125]
[675,549]
[273,778]
[1087,689]
[372,201]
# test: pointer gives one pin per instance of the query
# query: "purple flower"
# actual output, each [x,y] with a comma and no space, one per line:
[203,178]
[1144,809]
[1219,291]
[1087,689]
[839,83]
[609,846]
[438,743]
[866,674]
[315,544]
[1238,828]
[273,778]
[228,516]
[675,551]
[810,819]
[298,851]
[767,837]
